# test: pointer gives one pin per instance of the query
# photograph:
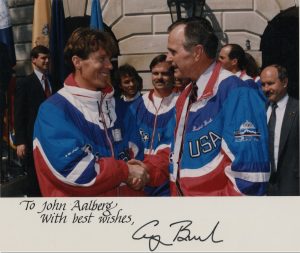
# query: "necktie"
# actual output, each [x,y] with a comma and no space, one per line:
[271,126]
[47,88]
[193,94]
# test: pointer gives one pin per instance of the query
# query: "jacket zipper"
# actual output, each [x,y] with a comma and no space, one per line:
[101,115]
[154,125]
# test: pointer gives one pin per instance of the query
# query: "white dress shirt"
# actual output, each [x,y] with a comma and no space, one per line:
[40,77]
[279,119]
[203,79]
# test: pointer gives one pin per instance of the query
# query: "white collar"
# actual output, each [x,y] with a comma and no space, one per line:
[203,79]
[131,99]
[83,93]
[38,73]
[283,102]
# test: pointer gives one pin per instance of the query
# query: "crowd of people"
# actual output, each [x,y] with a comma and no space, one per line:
[212,124]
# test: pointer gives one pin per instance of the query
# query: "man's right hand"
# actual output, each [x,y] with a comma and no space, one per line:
[21,151]
[138,177]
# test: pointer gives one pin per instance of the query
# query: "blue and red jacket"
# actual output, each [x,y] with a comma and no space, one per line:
[156,126]
[220,145]
[81,146]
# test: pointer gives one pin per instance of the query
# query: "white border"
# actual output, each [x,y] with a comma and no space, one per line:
[254,224]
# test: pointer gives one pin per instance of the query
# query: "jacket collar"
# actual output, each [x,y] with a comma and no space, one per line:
[74,88]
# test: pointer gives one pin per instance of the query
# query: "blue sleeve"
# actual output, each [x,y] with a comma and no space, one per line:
[245,140]
[67,150]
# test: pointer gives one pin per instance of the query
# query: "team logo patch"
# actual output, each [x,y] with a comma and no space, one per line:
[117,135]
[124,155]
[247,132]
[144,135]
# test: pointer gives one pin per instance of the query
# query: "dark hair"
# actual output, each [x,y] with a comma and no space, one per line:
[40,49]
[251,66]
[84,41]
[128,70]
[237,52]
[282,71]
[198,31]
[157,59]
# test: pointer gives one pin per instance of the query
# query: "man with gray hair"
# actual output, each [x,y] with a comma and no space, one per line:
[220,143]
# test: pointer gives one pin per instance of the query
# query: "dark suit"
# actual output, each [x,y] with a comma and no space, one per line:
[28,98]
[286,179]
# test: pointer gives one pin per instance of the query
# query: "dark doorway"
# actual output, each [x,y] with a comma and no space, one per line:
[280,45]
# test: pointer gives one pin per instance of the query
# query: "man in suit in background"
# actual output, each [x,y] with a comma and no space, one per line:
[31,91]
[283,123]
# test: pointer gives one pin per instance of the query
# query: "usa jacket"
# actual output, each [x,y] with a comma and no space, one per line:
[220,145]
[81,146]
[156,127]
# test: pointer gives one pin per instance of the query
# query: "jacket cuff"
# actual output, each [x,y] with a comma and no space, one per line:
[123,168]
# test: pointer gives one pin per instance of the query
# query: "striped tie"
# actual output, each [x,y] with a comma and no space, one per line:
[193,94]
[271,127]
[47,88]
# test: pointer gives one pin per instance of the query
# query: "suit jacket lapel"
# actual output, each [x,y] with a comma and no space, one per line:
[38,84]
[288,118]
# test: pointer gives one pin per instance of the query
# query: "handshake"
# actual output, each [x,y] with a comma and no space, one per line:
[138,175]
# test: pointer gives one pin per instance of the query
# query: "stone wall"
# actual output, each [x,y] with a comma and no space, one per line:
[21,13]
[235,21]
[140,25]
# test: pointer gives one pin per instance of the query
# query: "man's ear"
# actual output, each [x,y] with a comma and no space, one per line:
[76,62]
[33,60]
[234,62]
[198,52]
[285,82]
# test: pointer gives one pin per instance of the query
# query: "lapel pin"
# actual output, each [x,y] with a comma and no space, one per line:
[292,113]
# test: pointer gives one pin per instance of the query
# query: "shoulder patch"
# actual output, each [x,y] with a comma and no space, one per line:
[247,132]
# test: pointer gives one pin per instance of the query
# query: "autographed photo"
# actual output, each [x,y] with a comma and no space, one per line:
[161,126]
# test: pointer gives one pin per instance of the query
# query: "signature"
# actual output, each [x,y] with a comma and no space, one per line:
[182,230]
[205,123]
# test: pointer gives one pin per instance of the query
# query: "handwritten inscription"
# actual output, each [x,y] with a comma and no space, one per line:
[183,233]
[78,211]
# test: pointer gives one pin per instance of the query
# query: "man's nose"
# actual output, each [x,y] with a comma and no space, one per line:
[131,83]
[159,76]
[108,64]
[266,88]
[169,57]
